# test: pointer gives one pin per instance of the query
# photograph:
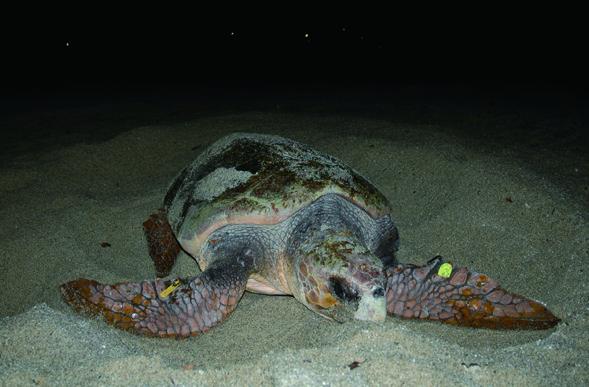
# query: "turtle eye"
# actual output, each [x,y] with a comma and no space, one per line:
[342,289]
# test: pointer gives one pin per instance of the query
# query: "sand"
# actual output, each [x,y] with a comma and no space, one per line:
[502,190]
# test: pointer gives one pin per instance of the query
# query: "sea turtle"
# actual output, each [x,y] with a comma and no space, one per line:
[274,216]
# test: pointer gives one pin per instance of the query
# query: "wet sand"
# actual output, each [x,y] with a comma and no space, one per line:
[500,189]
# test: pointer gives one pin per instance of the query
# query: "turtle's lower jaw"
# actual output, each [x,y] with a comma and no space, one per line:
[367,308]
[363,300]
[372,308]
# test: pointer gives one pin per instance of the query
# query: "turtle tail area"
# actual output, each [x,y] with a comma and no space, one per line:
[179,308]
[436,291]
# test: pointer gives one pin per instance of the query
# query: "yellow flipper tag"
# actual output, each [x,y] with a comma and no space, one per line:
[170,289]
[445,270]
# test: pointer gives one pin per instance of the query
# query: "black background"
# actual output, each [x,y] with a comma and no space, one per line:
[104,48]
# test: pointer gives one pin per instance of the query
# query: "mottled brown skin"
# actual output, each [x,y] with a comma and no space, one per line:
[274,216]
[163,247]
[197,305]
[465,298]
[194,308]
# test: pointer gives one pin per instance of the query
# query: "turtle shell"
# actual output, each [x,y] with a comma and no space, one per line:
[248,178]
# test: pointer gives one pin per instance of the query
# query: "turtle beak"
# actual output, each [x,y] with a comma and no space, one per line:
[372,305]
[369,296]
[368,279]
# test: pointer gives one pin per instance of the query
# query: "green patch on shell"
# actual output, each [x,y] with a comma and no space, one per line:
[247,205]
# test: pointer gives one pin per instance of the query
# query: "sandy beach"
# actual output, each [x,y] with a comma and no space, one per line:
[500,186]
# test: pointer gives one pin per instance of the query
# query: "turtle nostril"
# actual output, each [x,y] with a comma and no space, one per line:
[379,292]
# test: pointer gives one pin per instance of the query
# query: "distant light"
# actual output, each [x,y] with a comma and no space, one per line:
[232,33]
[306,35]
[343,29]
[67,44]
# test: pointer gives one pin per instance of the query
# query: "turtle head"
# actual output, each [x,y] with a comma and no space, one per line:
[339,278]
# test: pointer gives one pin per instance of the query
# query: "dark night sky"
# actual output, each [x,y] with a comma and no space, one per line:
[98,46]
[347,57]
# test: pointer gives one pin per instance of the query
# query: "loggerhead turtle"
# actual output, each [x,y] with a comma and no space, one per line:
[273,216]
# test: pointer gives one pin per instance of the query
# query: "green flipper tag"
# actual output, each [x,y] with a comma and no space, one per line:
[445,270]
[170,289]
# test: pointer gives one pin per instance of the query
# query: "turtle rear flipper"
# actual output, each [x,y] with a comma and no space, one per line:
[181,308]
[163,246]
[460,297]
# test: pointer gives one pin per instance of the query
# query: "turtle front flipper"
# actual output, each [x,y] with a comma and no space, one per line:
[436,291]
[181,308]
